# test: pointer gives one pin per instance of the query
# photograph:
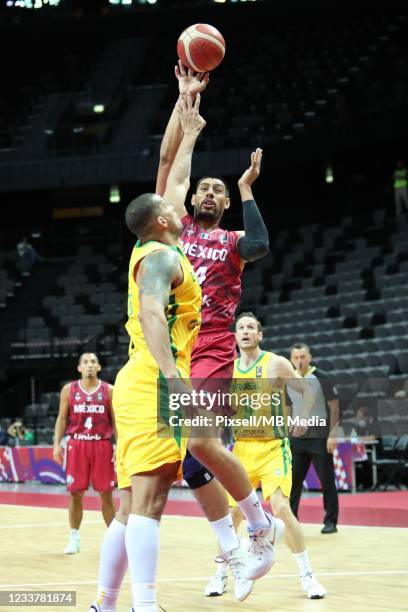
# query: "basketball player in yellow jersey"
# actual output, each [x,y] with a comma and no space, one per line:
[264,450]
[163,322]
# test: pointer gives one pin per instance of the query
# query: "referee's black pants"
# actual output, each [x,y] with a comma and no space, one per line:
[305,451]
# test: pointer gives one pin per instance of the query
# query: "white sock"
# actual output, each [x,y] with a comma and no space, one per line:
[222,569]
[252,509]
[142,547]
[107,599]
[302,560]
[112,566]
[142,598]
[225,533]
[74,535]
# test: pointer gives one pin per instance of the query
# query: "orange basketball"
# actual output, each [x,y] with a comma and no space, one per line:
[201,47]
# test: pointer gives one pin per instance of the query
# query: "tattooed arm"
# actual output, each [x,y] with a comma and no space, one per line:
[155,277]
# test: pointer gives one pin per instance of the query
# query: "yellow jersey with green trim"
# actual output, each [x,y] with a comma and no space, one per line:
[183,312]
[261,412]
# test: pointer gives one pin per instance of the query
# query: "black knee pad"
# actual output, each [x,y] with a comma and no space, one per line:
[199,478]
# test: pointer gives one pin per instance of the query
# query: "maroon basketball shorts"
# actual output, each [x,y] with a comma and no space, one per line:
[90,461]
[212,363]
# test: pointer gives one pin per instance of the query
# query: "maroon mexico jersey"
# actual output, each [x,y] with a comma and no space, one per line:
[89,413]
[217,264]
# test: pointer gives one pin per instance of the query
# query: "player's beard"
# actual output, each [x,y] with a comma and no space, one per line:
[208,216]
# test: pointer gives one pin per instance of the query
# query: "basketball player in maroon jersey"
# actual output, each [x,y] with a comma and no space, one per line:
[218,257]
[86,416]
[221,250]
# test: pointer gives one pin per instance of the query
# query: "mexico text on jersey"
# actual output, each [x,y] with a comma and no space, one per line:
[217,264]
[89,413]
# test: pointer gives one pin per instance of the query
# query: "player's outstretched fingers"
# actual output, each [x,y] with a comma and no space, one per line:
[258,158]
[182,69]
[197,102]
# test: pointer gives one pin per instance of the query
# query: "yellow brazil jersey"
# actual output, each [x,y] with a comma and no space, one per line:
[260,408]
[183,312]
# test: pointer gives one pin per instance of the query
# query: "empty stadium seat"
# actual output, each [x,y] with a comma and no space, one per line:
[35,322]
[75,331]
[5,423]
[36,410]
[402,359]
[44,436]
[357,362]
[387,426]
[389,360]
[52,399]
[94,330]
[371,360]
[374,387]
[392,408]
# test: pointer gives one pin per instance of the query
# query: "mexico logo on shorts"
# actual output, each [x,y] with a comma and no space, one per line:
[70,479]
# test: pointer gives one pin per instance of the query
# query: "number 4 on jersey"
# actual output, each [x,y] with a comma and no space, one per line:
[88,423]
[201,273]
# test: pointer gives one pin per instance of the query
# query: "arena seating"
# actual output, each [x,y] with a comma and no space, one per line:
[10,279]
[38,92]
[394,460]
[306,81]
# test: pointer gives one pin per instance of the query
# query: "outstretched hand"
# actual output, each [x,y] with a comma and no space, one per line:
[189,113]
[251,174]
[190,81]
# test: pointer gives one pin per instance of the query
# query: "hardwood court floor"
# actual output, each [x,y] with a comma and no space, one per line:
[363,568]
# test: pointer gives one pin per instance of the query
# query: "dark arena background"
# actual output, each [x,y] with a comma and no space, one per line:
[87,89]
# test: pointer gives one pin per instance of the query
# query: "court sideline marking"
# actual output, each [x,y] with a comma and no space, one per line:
[167,516]
[202,578]
[55,524]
